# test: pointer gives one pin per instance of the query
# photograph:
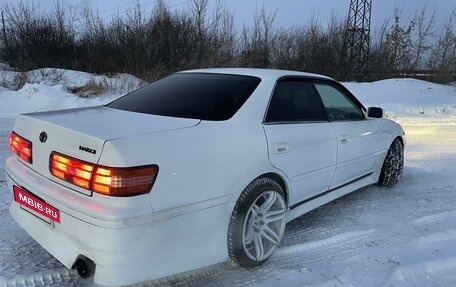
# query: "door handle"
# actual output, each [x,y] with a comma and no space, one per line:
[344,139]
[281,148]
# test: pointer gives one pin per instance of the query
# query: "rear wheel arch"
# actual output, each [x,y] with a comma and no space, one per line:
[280,180]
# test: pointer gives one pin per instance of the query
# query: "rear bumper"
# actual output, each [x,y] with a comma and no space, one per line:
[124,251]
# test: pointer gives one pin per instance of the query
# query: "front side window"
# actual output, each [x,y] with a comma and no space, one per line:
[339,106]
[205,96]
[295,100]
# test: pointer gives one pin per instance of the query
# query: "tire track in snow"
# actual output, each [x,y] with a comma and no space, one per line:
[423,273]
[19,254]
[226,274]
[334,218]
[55,277]
[307,254]
[435,217]
[190,278]
[291,257]
[333,242]
[434,239]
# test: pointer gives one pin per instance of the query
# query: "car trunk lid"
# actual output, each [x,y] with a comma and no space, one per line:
[81,133]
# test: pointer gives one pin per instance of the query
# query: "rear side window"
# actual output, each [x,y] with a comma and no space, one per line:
[213,97]
[295,100]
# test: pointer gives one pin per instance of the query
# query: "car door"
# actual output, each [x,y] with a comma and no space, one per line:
[358,138]
[301,141]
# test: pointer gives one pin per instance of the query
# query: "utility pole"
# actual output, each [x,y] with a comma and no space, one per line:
[358,38]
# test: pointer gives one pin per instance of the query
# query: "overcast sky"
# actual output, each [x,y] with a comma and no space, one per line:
[289,12]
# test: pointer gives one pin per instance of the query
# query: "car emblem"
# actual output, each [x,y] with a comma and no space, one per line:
[43,137]
[87,149]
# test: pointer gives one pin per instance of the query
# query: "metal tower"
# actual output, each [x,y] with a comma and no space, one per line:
[358,37]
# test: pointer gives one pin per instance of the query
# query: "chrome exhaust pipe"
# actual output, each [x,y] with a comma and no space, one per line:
[84,266]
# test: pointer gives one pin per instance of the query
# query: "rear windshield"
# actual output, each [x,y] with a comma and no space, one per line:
[214,97]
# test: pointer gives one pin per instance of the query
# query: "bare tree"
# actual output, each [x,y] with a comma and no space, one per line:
[443,57]
[398,45]
[37,39]
[285,52]
[199,12]
[154,43]
[424,30]
[258,41]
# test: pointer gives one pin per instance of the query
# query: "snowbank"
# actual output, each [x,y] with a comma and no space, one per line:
[407,97]
[51,89]
[74,80]
[41,97]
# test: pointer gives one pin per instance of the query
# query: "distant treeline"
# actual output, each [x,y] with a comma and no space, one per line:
[161,41]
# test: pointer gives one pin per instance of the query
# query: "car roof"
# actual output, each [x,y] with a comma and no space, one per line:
[257,72]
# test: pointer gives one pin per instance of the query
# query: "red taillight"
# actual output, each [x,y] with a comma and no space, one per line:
[21,147]
[105,180]
[71,170]
[124,181]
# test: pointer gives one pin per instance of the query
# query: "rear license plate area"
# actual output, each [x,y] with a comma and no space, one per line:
[36,206]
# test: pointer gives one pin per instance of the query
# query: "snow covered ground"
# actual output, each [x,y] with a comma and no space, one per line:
[401,236]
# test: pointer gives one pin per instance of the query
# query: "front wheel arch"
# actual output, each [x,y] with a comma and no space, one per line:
[393,164]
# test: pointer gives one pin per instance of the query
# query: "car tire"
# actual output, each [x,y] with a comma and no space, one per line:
[393,165]
[257,223]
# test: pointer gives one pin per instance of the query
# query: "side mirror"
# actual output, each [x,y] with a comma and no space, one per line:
[374,112]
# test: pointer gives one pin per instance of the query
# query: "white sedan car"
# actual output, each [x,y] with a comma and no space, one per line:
[194,169]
